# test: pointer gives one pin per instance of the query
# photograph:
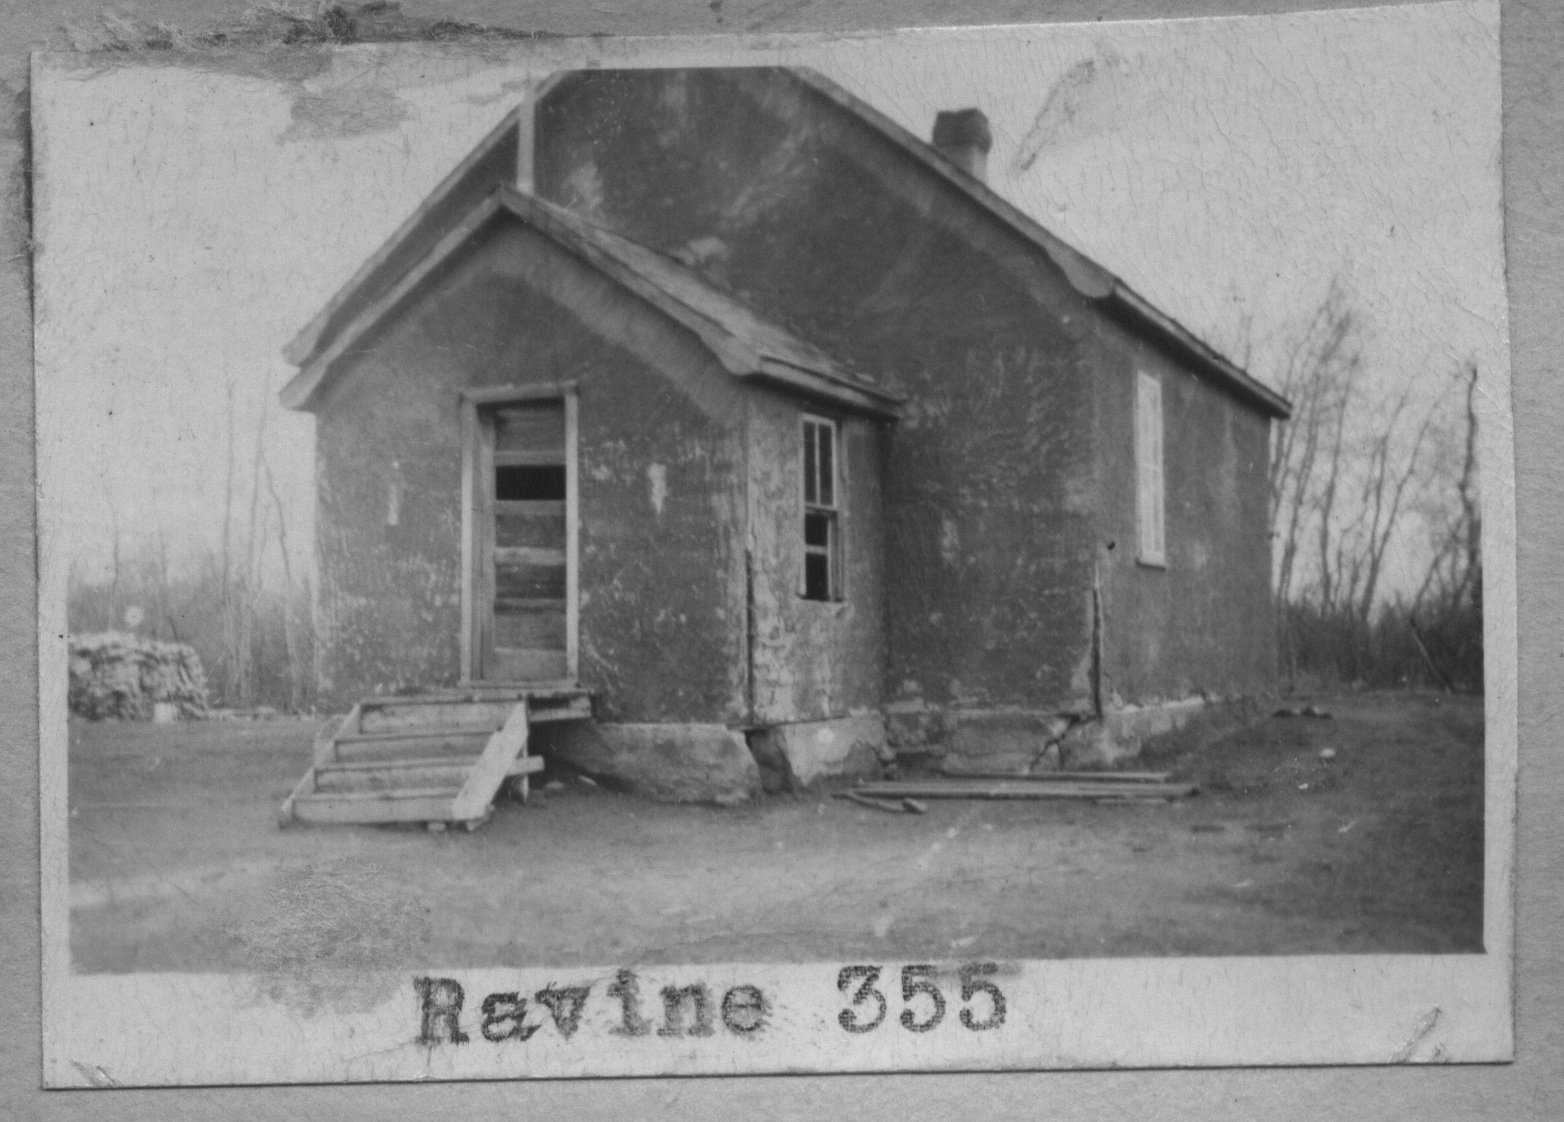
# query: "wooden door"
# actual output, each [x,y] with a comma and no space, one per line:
[524,549]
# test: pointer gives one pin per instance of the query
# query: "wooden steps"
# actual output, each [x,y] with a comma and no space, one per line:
[437,758]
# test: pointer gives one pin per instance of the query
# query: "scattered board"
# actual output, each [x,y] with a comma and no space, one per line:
[1022,789]
[1065,776]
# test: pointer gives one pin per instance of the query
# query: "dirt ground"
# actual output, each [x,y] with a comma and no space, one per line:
[177,862]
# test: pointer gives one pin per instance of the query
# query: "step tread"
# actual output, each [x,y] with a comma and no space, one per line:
[380,796]
[522,765]
[431,732]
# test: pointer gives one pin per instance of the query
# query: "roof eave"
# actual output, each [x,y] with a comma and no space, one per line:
[303,390]
[736,355]
[1085,275]
[1228,374]
[814,384]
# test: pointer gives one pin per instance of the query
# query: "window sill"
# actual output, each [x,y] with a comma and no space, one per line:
[1159,566]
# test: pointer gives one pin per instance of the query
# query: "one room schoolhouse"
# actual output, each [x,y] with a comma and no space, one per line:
[715,407]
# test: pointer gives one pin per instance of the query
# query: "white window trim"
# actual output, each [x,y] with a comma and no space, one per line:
[1150,478]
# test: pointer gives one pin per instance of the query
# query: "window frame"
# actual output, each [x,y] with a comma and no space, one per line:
[1150,471]
[833,511]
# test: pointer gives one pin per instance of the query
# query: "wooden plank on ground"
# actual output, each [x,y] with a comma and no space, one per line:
[504,747]
[1066,776]
[1021,789]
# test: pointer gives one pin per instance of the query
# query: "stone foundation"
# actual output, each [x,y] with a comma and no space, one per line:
[794,756]
[669,763]
[969,742]
[1003,741]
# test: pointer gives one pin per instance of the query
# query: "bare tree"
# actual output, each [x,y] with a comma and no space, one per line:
[1455,569]
[1319,377]
[291,644]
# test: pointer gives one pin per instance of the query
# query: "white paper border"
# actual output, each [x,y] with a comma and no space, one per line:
[154,1029]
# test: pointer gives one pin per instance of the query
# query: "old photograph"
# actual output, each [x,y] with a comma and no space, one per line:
[944,549]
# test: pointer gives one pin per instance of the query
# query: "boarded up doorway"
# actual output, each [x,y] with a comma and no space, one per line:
[519,530]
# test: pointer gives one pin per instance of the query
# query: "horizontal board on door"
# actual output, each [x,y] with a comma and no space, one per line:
[530,428]
[514,664]
[524,581]
[530,531]
[531,627]
[528,555]
[530,458]
[533,508]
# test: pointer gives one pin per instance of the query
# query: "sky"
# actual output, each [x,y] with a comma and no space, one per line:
[194,212]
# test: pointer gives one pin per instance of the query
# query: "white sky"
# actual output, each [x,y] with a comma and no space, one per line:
[190,219]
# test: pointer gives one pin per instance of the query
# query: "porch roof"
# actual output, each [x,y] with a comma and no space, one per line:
[746,345]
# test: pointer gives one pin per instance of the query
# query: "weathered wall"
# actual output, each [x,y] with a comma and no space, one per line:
[660,470]
[812,659]
[820,224]
[1202,624]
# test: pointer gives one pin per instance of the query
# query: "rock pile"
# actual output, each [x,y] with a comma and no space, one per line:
[123,677]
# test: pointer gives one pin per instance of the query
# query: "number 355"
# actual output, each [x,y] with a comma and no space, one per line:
[922,1000]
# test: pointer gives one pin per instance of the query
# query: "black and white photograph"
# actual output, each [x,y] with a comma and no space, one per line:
[951,549]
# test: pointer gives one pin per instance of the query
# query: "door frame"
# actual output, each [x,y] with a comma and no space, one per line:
[477,498]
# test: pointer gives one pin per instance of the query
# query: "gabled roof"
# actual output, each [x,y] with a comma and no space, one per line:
[1085,275]
[746,345]
[501,158]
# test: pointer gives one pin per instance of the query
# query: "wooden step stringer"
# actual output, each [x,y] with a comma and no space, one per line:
[483,782]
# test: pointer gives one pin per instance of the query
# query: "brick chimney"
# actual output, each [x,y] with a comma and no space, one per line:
[962,137]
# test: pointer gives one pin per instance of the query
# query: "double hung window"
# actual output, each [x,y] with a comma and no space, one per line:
[822,511]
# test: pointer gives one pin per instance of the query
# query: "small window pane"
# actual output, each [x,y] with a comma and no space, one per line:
[817,530]
[810,495]
[827,468]
[817,576]
[533,483]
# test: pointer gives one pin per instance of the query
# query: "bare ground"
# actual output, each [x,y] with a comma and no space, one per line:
[177,862]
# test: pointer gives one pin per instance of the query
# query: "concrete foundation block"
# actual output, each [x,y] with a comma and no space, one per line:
[1143,723]
[1018,742]
[799,754]
[912,726]
[1157,730]
[1093,744]
[669,763]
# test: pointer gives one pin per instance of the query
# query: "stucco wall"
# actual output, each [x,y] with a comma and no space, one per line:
[808,214]
[661,484]
[1203,623]
[812,659]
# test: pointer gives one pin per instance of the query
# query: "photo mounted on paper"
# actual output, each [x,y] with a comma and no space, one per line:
[948,549]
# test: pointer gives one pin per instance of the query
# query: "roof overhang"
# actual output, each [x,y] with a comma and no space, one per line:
[795,368]
[1086,276]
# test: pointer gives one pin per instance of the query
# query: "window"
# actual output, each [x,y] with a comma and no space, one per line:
[1150,521]
[822,514]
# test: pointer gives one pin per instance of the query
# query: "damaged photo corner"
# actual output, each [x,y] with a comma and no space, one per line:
[947,549]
